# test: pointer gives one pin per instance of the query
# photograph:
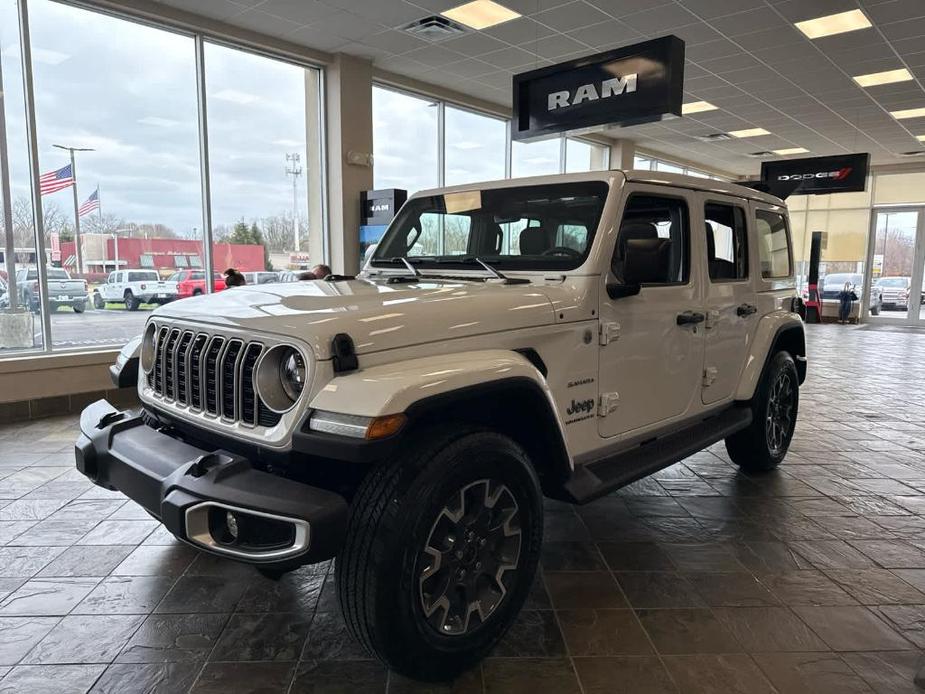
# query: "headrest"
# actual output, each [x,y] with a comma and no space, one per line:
[647,261]
[492,239]
[533,241]
[634,230]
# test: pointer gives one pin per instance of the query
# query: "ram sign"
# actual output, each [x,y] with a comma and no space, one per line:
[627,86]
[846,173]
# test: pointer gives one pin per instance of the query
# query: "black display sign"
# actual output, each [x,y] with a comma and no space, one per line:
[626,86]
[379,206]
[843,173]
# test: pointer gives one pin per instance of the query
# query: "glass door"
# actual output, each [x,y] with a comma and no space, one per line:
[896,265]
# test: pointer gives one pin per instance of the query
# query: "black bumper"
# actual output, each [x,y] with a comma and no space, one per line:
[168,477]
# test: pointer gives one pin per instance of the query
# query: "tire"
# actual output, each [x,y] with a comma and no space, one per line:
[404,507]
[762,445]
[197,292]
[98,302]
[78,306]
[875,309]
[132,302]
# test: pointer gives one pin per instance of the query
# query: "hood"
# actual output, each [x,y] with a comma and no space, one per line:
[378,316]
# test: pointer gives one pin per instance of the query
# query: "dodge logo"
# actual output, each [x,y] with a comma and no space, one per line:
[839,175]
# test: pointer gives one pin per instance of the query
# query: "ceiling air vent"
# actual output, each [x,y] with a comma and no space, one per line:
[914,153]
[434,28]
[760,155]
[713,137]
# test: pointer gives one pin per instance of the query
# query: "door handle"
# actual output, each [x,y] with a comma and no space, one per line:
[746,310]
[691,318]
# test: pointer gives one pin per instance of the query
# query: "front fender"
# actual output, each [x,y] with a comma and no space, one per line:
[392,388]
[770,329]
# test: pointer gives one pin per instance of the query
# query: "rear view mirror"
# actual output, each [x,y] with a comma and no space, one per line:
[646,261]
[615,290]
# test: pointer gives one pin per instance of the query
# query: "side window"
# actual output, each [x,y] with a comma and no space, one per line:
[773,245]
[727,239]
[662,224]
[112,278]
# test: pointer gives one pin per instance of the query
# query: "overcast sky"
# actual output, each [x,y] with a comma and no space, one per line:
[129,91]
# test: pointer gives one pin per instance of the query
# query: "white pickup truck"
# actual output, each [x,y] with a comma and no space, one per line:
[134,288]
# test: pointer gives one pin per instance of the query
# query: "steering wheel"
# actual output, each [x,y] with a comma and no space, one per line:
[562,250]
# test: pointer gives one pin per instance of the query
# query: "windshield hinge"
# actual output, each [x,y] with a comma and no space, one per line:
[609,332]
[709,376]
[712,319]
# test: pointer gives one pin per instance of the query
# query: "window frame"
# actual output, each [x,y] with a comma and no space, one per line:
[747,251]
[770,279]
[687,241]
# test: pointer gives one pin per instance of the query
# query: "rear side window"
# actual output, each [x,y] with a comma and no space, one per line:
[727,249]
[773,245]
[657,217]
[142,277]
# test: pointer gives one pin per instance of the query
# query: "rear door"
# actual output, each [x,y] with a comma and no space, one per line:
[731,304]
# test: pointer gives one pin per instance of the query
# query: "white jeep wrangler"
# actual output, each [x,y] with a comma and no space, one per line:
[559,336]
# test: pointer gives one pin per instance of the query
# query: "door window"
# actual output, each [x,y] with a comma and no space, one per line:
[727,250]
[773,245]
[656,217]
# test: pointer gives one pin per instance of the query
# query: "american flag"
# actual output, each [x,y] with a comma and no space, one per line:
[56,180]
[92,203]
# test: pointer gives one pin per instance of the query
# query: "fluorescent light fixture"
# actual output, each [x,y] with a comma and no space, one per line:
[791,150]
[886,77]
[749,132]
[480,14]
[908,113]
[920,138]
[834,24]
[697,107]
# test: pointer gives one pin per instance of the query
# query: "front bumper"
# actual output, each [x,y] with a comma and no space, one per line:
[192,491]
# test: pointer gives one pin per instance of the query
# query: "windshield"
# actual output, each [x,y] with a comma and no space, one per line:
[839,279]
[527,228]
[893,282]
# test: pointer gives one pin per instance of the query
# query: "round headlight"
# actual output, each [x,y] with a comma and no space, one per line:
[292,373]
[147,348]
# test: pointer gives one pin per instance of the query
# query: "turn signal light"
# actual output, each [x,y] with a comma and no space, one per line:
[382,427]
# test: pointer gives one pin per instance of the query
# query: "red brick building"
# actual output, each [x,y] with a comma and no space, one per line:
[164,255]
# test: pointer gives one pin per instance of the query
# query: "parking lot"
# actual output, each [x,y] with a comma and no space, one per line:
[93,328]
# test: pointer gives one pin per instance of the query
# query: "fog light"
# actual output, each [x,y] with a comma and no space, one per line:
[232,524]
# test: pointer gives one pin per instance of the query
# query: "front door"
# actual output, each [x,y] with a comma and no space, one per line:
[651,364]
[732,312]
[897,277]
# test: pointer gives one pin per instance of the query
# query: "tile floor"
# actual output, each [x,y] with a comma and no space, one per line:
[698,579]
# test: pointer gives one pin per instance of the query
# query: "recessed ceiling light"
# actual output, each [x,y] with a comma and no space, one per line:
[791,150]
[749,132]
[481,14]
[834,24]
[908,113]
[697,107]
[886,77]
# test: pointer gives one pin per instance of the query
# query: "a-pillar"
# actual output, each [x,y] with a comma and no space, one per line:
[349,122]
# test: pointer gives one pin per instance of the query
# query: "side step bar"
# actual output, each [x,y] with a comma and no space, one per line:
[593,480]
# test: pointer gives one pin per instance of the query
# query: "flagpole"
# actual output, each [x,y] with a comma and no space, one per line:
[99,208]
[77,251]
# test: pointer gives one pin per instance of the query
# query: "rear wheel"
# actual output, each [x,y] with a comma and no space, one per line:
[875,309]
[764,443]
[78,306]
[441,551]
[132,302]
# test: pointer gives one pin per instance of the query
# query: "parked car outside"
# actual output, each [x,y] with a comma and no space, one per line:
[834,284]
[62,290]
[261,277]
[134,288]
[289,275]
[193,283]
[896,292]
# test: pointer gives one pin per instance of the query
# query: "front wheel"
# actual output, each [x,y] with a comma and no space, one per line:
[441,552]
[875,309]
[763,444]
[98,302]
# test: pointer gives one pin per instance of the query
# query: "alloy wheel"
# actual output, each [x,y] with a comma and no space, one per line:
[469,560]
[779,418]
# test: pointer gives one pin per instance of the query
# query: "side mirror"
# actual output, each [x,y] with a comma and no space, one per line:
[615,290]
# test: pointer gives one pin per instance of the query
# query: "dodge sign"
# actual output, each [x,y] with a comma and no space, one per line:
[845,173]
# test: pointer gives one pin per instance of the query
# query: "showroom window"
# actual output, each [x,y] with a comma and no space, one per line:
[405,141]
[647,163]
[581,155]
[124,115]
[474,147]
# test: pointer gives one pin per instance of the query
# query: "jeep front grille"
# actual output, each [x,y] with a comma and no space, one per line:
[209,373]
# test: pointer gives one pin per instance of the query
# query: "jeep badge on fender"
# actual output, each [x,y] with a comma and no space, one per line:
[408,422]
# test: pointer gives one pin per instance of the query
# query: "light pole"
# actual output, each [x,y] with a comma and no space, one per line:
[294,169]
[115,242]
[77,252]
